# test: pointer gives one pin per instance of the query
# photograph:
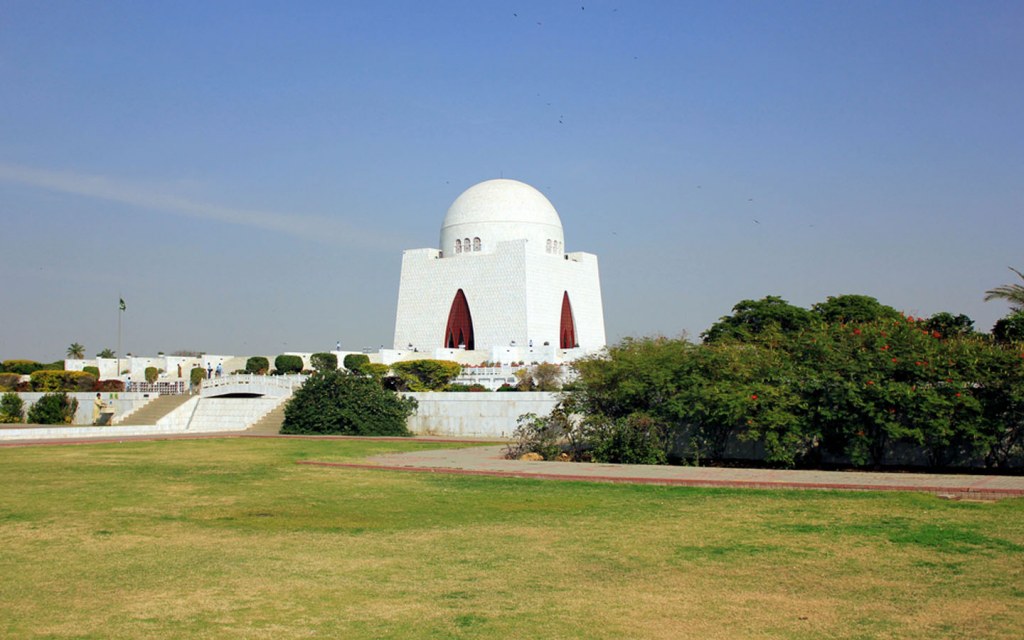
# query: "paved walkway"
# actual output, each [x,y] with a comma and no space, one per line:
[488,461]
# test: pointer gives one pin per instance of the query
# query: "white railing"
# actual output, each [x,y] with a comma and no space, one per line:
[251,383]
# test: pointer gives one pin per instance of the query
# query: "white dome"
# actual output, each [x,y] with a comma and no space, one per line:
[498,211]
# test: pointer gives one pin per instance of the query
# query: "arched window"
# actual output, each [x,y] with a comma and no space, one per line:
[567,325]
[476,244]
[547,247]
[458,246]
[466,245]
[458,333]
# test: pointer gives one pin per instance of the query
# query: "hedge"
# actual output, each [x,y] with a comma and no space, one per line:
[355,361]
[93,370]
[9,381]
[152,374]
[21,367]
[49,380]
[53,408]
[257,364]
[286,363]
[324,361]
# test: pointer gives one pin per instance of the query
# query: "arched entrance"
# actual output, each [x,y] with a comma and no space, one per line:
[459,331]
[567,328]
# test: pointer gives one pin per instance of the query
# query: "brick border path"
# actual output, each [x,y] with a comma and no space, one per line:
[488,461]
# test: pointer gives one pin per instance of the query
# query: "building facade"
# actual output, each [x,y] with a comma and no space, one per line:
[502,286]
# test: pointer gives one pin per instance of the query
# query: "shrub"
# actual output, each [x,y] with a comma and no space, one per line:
[108,385]
[355,361]
[426,375]
[49,380]
[476,386]
[286,364]
[22,367]
[337,402]
[508,387]
[536,434]
[152,374]
[257,364]
[324,361]
[374,370]
[53,408]
[636,439]
[12,408]
[95,371]
[9,381]
[196,376]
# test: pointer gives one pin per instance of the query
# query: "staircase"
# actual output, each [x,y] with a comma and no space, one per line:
[268,425]
[153,410]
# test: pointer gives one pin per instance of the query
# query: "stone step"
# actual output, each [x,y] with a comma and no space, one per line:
[269,424]
[153,410]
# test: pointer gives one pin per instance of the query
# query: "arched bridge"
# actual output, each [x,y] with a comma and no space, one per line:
[249,384]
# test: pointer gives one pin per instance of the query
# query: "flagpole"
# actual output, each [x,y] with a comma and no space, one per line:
[120,312]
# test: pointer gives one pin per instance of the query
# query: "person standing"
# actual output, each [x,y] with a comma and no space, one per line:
[97,409]
[220,370]
[209,370]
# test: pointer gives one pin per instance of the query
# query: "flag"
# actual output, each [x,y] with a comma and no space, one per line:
[122,307]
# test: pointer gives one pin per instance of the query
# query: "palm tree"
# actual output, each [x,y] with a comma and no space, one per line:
[106,353]
[1012,293]
[76,351]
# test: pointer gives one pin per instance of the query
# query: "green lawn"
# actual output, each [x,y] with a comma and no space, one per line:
[231,539]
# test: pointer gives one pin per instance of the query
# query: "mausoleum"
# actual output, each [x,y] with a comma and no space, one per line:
[502,286]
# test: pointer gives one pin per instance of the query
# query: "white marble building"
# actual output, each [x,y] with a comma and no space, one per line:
[502,287]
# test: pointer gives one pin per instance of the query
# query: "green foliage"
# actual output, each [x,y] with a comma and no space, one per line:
[751,318]
[374,370]
[855,390]
[53,408]
[108,385]
[854,308]
[75,351]
[355,361]
[342,403]
[12,408]
[152,374]
[1009,329]
[636,439]
[257,364]
[50,380]
[324,361]
[9,381]
[947,325]
[537,434]
[1012,293]
[21,367]
[426,375]
[465,387]
[95,371]
[107,353]
[286,364]
[196,376]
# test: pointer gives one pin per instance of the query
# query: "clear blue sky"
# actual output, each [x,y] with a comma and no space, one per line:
[247,174]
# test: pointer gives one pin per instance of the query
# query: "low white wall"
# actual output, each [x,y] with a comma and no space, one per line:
[122,401]
[482,414]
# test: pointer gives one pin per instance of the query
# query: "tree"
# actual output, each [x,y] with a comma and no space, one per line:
[947,325]
[106,353]
[286,363]
[76,351]
[854,308]
[12,408]
[751,318]
[355,361]
[426,375]
[1009,329]
[338,402]
[257,364]
[1012,293]
[324,361]
[53,408]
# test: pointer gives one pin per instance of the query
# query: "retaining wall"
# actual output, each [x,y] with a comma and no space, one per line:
[483,414]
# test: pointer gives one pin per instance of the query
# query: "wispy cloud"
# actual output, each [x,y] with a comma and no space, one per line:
[307,227]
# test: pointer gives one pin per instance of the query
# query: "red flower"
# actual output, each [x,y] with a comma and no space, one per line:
[895,359]
[856,332]
[958,394]
[936,334]
[753,397]
[885,347]
[871,382]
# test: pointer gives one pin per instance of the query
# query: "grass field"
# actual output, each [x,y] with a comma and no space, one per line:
[231,539]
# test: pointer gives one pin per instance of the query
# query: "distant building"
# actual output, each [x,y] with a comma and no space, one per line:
[502,286]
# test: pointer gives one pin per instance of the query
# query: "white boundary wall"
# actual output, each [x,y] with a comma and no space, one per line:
[482,414]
